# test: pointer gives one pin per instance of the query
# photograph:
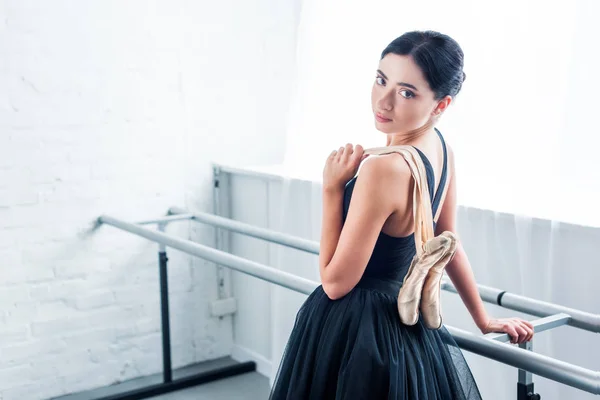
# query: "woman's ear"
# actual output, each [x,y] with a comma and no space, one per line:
[442,105]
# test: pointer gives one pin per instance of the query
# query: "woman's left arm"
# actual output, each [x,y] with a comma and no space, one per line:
[461,274]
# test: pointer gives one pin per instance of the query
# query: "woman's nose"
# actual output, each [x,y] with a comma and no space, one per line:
[384,103]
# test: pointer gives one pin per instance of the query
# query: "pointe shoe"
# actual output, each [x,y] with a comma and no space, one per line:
[442,247]
[410,291]
[421,286]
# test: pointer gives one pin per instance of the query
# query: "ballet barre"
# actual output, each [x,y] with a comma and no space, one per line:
[578,319]
[552,315]
[490,346]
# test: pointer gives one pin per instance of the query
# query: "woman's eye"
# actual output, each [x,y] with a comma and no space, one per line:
[380,81]
[408,94]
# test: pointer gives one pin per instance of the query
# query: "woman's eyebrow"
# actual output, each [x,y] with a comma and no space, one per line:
[399,83]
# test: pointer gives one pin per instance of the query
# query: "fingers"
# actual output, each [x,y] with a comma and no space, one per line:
[528,326]
[517,329]
[344,153]
[360,153]
[359,149]
[347,151]
[520,331]
[530,332]
[357,153]
[512,332]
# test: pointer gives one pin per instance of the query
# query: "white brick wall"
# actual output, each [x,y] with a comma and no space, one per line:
[118,107]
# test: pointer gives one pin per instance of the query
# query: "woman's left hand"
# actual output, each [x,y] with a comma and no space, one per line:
[342,165]
[518,329]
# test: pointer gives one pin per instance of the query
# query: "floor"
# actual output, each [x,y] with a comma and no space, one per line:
[247,386]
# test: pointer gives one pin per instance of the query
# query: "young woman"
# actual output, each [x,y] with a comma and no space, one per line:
[348,341]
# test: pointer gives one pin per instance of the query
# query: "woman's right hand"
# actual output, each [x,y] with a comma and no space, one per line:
[342,165]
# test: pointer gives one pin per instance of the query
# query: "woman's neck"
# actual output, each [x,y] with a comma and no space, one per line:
[402,138]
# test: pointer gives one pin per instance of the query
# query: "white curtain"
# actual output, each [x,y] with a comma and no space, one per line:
[525,138]
[523,127]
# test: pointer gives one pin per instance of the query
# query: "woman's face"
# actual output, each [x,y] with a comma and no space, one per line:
[401,98]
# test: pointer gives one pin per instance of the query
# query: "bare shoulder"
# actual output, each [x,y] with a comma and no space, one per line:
[386,167]
[388,175]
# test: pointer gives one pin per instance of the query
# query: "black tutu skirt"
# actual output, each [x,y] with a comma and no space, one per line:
[356,348]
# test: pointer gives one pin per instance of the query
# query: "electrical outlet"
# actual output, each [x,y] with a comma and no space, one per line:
[219,308]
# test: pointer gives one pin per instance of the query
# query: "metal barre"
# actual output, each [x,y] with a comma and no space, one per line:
[579,319]
[559,371]
[250,230]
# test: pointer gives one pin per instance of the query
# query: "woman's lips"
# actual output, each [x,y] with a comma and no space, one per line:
[381,118]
